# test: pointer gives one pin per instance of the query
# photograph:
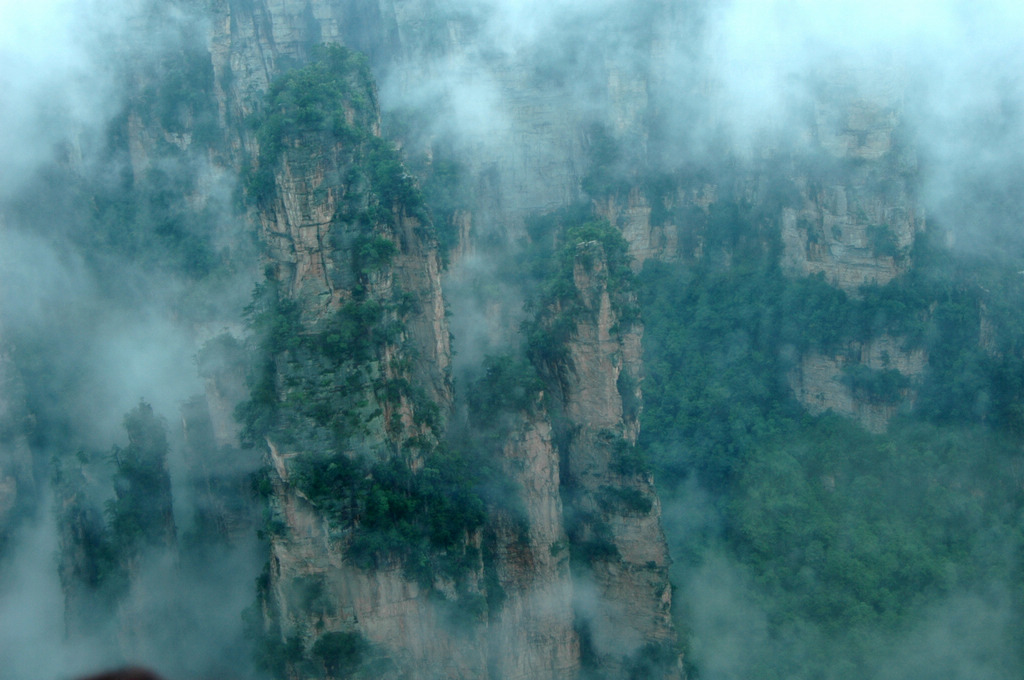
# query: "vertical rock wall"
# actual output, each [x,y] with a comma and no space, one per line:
[622,596]
[534,633]
[538,606]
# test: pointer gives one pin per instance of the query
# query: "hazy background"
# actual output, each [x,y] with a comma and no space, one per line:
[102,308]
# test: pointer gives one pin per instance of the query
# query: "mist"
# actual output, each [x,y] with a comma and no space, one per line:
[97,319]
[735,85]
[104,307]
[951,71]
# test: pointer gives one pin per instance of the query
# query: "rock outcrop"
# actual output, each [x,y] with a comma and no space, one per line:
[844,204]
[358,348]
[533,633]
[622,594]
[823,382]
[355,382]
[410,629]
[838,200]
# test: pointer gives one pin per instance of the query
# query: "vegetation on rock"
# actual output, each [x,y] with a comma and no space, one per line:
[848,534]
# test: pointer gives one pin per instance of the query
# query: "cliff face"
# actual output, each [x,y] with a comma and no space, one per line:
[857,223]
[824,382]
[357,345]
[354,386]
[837,199]
[842,198]
[395,544]
[623,596]
[534,634]
[407,628]
[350,251]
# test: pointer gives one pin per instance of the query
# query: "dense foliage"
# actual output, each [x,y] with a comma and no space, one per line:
[294,368]
[556,300]
[339,384]
[509,385]
[102,549]
[423,518]
[140,513]
[848,537]
[330,103]
[851,529]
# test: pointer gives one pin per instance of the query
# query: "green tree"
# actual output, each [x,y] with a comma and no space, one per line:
[141,514]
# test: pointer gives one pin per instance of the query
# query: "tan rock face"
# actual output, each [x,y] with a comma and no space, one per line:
[849,211]
[312,228]
[857,230]
[344,247]
[318,590]
[535,630]
[533,635]
[596,355]
[850,234]
[819,381]
[251,43]
[622,593]
[858,213]
[428,632]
